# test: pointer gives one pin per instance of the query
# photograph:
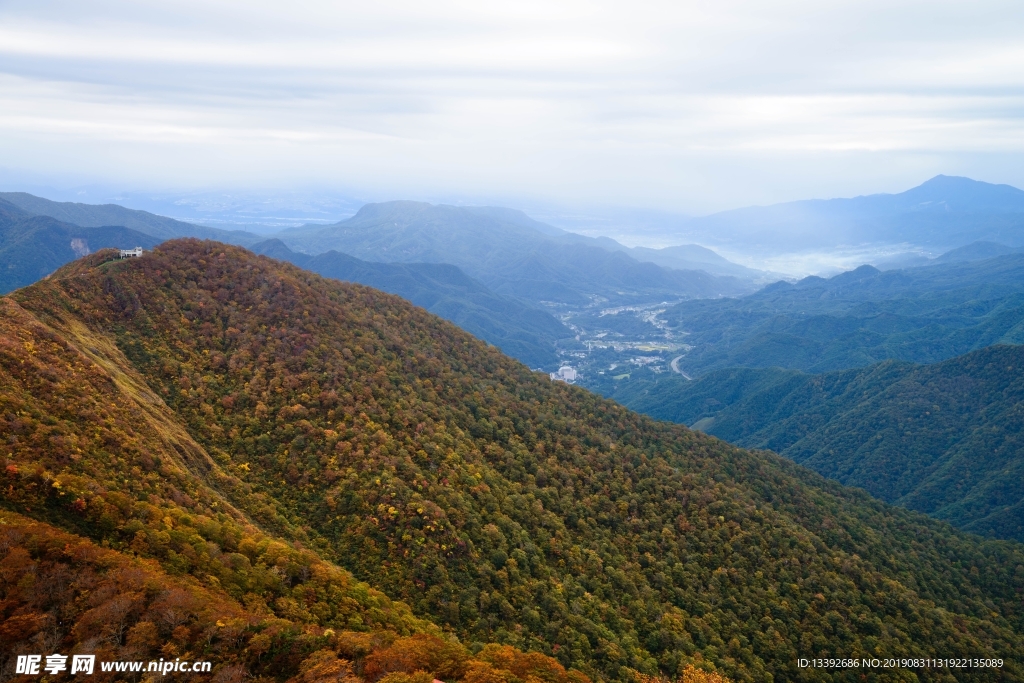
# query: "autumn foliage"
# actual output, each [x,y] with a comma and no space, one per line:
[260,432]
[62,593]
[690,674]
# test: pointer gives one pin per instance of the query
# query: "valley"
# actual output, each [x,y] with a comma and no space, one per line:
[282,429]
[448,342]
[611,344]
[296,444]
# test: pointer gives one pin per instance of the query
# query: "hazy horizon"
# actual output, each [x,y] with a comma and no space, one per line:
[677,108]
[267,213]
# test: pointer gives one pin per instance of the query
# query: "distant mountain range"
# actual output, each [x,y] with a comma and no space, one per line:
[696,257]
[941,214]
[97,215]
[32,247]
[39,235]
[859,317]
[945,439]
[511,260]
[519,330]
[515,262]
[941,438]
[510,253]
[975,251]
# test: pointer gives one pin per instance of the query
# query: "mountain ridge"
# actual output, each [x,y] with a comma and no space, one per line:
[859,317]
[509,256]
[98,215]
[520,331]
[944,212]
[540,262]
[32,246]
[942,439]
[358,426]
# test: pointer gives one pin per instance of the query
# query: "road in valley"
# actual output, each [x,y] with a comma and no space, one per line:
[675,367]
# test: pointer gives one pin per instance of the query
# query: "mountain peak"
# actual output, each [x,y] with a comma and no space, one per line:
[965,194]
[942,179]
[381,208]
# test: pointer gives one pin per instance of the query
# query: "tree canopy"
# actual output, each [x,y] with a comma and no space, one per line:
[257,428]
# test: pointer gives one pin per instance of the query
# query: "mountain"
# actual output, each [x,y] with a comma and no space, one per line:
[136,551]
[681,257]
[507,252]
[516,217]
[976,251]
[64,593]
[98,215]
[250,428]
[696,257]
[466,236]
[943,439]
[857,318]
[943,213]
[518,330]
[32,247]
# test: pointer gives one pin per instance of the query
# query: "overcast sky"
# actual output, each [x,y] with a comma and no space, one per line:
[681,105]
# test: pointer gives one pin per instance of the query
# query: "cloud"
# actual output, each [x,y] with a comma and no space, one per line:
[681,105]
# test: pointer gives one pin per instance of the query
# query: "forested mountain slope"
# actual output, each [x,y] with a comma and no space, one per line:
[98,215]
[857,318]
[183,573]
[526,333]
[32,247]
[944,439]
[506,252]
[61,592]
[977,251]
[201,396]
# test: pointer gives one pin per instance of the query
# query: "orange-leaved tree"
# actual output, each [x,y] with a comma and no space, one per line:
[690,674]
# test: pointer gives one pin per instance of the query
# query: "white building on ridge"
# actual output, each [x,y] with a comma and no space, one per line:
[564,374]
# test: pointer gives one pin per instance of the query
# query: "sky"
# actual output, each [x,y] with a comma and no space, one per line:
[680,106]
